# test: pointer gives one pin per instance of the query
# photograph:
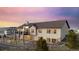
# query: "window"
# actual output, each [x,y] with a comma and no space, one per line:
[39,31]
[53,40]
[40,37]
[48,31]
[48,39]
[32,30]
[26,33]
[55,31]
[21,32]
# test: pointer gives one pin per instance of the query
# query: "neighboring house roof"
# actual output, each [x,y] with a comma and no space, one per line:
[10,29]
[49,24]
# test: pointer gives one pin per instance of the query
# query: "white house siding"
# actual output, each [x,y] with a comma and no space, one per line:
[51,35]
[33,28]
[64,31]
[34,34]
[59,35]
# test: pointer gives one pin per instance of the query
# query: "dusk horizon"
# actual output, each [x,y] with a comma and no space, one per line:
[15,16]
[39,28]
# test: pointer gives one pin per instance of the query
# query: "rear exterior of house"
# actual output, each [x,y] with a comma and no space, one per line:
[52,31]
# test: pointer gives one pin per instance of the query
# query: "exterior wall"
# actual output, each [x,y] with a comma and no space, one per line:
[1,33]
[64,31]
[51,35]
[28,37]
[59,35]
[33,28]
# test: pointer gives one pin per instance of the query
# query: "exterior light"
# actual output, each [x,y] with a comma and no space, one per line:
[26,27]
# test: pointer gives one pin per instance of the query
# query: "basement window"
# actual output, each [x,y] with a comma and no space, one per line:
[55,31]
[53,40]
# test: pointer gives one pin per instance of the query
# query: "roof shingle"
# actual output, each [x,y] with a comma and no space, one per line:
[49,24]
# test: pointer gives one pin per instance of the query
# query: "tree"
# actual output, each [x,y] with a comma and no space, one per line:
[71,39]
[42,45]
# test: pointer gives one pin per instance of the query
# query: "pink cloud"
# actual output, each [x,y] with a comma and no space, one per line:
[32,14]
[21,10]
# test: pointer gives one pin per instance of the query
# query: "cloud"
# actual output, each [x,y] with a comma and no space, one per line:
[33,14]
[69,11]
[8,24]
[21,10]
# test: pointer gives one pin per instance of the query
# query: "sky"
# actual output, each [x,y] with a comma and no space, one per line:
[15,16]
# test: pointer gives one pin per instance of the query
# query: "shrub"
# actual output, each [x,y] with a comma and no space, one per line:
[71,39]
[42,45]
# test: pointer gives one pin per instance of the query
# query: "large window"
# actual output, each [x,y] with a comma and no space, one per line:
[48,31]
[39,30]
[26,32]
[32,30]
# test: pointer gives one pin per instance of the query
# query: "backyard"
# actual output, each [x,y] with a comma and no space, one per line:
[8,44]
[13,44]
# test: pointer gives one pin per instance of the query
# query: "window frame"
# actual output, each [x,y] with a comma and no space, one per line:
[48,40]
[53,40]
[48,31]
[55,31]
[32,31]
[39,31]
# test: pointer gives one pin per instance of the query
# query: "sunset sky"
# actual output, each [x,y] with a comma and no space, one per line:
[15,16]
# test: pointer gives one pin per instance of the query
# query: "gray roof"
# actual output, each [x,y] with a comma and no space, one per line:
[7,28]
[49,24]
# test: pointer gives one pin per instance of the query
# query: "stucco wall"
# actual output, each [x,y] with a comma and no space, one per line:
[33,28]
[64,31]
[59,35]
[51,35]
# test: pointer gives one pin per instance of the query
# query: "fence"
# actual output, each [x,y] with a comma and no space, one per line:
[17,44]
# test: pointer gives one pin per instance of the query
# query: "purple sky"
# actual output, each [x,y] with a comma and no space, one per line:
[14,16]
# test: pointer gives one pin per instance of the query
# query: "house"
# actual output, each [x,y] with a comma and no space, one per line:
[2,31]
[8,31]
[51,31]
[11,32]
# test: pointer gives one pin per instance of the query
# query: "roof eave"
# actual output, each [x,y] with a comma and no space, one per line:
[67,24]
